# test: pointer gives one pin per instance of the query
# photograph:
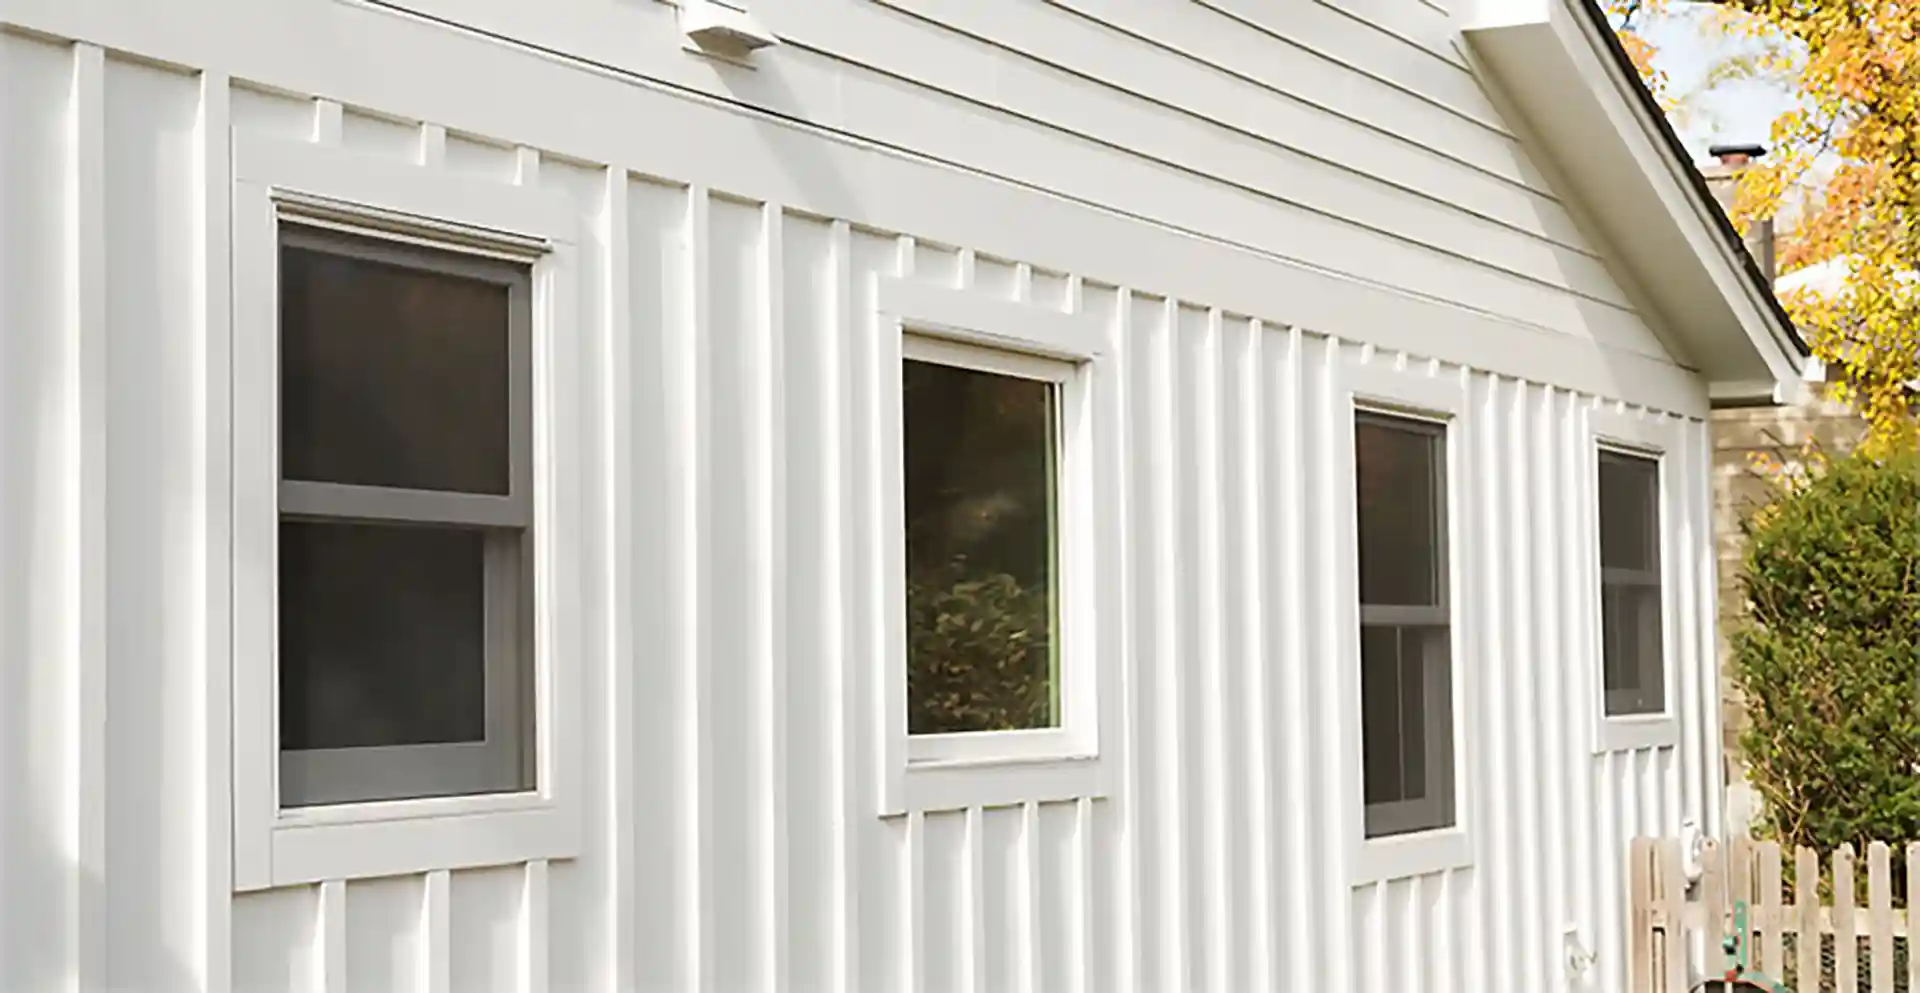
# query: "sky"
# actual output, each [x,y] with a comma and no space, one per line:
[1733,113]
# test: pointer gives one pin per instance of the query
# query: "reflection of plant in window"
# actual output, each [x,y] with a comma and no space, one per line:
[979,451]
[979,645]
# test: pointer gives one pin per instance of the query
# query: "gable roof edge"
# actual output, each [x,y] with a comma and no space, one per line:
[1572,41]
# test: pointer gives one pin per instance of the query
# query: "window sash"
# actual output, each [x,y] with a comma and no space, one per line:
[347,502]
[1434,810]
[445,260]
[397,773]
[1064,734]
[1648,697]
[325,776]
[1437,493]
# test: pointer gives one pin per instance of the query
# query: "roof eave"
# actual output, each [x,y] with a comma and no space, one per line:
[1558,63]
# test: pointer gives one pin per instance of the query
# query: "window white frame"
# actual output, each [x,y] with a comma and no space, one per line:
[1372,382]
[1654,436]
[278,181]
[953,771]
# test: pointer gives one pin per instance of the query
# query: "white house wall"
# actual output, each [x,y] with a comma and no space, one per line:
[726,300]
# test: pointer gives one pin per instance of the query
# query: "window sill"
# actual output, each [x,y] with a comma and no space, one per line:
[1631,734]
[956,784]
[1377,860]
[310,845]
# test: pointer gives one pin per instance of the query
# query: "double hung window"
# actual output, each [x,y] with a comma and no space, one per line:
[405,511]
[1406,681]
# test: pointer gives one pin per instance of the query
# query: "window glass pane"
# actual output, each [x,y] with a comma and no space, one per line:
[981,602]
[1629,512]
[1398,465]
[392,376]
[1630,631]
[382,635]
[1384,742]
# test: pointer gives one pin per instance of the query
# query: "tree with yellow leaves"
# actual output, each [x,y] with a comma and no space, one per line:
[1857,66]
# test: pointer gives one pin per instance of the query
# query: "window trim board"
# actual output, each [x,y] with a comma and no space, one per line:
[974,330]
[1646,434]
[1365,380]
[276,181]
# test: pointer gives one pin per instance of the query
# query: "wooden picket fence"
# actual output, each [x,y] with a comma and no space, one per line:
[1820,933]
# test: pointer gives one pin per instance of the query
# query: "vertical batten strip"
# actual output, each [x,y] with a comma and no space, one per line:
[1081,927]
[1130,963]
[526,166]
[535,946]
[885,585]
[1482,946]
[1703,596]
[1256,657]
[1031,922]
[1084,931]
[1286,553]
[1374,958]
[1217,718]
[974,968]
[1521,685]
[329,121]
[617,435]
[330,937]
[1328,412]
[1177,944]
[1578,603]
[690,409]
[1498,911]
[844,701]
[87,303]
[433,146]
[213,636]
[916,898]
[771,595]
[436,933]
[1699,708]
[1548,523]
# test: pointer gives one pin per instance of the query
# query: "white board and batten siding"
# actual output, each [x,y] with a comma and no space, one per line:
[1250,199]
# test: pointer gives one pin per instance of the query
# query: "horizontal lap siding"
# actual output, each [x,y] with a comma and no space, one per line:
[731,840]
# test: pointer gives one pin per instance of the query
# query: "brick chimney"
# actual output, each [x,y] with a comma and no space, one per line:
[1723,178]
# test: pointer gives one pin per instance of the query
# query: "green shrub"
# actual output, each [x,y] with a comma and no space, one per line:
[1828,659]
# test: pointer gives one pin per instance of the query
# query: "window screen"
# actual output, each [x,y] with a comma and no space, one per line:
[404,606]
[1633,670]
[1406,679]
[981,476]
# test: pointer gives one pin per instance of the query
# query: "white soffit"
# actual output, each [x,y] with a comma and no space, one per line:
[1558,66]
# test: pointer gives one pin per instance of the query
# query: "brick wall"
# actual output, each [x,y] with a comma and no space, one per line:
[1738,434]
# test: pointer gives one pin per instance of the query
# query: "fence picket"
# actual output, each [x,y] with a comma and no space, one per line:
[1846,959]
[1640,973]
[1713,897]
[1769,914]
[1673,894]
[1740,879]
[1806,906]
[1880,917]
[1913,919]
